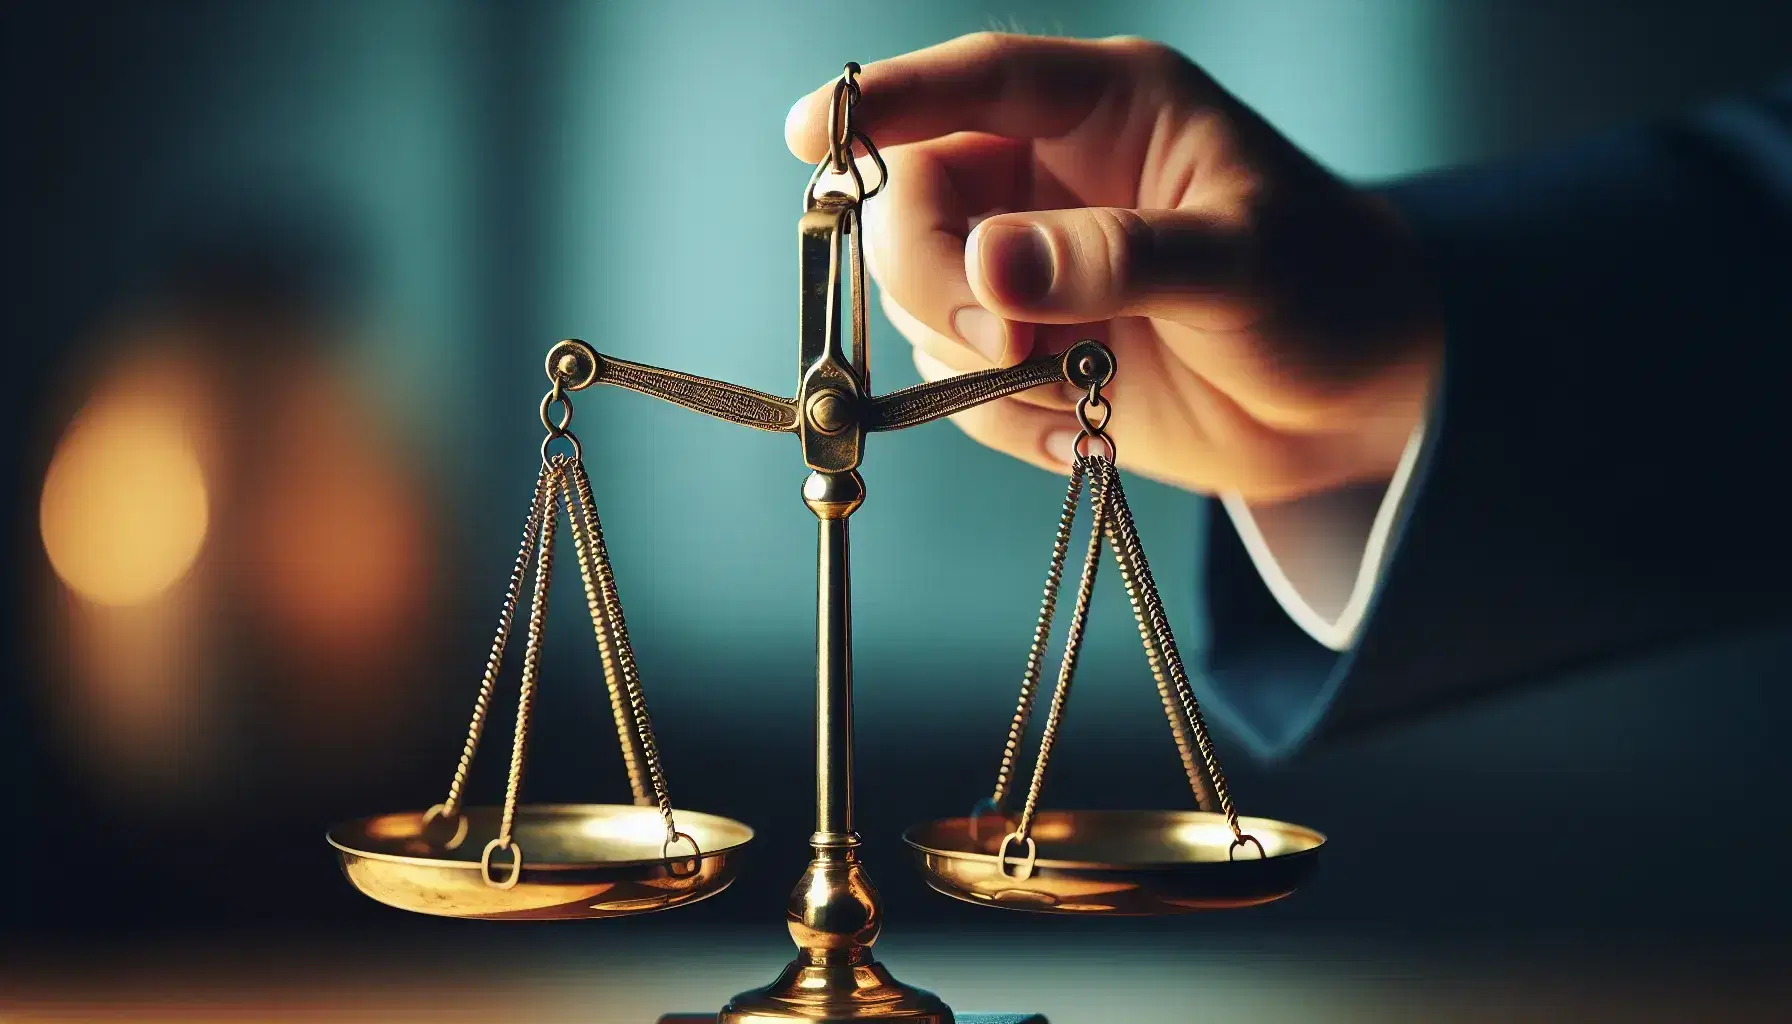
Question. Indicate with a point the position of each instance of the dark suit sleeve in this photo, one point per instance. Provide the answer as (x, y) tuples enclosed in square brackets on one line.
[(1606, 465)]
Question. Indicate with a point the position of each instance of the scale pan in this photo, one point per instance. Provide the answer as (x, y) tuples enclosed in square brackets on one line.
[(579, 861), (1116, 862)]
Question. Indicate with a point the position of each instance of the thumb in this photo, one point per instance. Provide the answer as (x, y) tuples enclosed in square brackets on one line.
[(1073, 266)]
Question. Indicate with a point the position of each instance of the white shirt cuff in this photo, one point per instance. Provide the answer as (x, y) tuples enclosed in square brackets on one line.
[(1323, 556)]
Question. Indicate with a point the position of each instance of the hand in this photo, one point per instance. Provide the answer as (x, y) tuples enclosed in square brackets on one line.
[(1273, 326)]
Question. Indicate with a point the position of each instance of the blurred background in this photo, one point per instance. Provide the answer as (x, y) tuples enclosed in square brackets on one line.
[(280, 279)]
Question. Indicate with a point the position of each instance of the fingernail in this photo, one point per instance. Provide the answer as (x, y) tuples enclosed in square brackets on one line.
[(1016, 262), (1061, 446), (982, 330)]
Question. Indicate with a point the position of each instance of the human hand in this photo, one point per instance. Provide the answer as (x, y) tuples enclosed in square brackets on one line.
[(1274, 330)]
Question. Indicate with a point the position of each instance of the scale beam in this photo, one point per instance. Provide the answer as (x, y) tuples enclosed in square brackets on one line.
[(898, 410)]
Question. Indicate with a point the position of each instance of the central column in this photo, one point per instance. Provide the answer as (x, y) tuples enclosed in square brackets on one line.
[(833, 497), (833, 914)]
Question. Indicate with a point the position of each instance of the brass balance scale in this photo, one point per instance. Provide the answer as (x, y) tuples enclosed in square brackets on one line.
[(530, 862)]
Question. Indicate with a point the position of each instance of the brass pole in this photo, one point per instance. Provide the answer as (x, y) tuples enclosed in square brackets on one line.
[(833, 682), (834, 914)]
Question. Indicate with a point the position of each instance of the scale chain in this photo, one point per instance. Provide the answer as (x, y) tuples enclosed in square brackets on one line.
[(1113, 525), (451, 807), (562, 478), (1130, 552), (1042, 635), (1073, 648), (525, 701), (1073, 644), (1169, 695), (606, 631), (611, 602)]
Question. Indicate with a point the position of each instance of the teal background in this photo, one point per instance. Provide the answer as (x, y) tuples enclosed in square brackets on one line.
[(510, 174), (616, 171)]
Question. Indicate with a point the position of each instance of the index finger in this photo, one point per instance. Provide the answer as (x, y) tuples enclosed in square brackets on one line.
[(1021, 87)]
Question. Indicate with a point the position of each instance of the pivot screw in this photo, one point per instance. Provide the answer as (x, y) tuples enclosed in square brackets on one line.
[(829, 412)]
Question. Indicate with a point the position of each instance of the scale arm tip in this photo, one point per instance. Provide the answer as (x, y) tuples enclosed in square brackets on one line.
[(1084, 363)]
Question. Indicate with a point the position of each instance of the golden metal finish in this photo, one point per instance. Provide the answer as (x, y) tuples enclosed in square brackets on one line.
[(1042, 635), (583, 860), (523, 861), (930, 401), (724, 401), (614, 651), (1117, 862)]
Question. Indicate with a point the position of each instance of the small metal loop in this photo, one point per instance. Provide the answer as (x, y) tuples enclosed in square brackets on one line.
[(578, 450), (1027, 866), (846, 93), (673, 866), (1108, 442), (1094, 403), (556, 425), (854, 198), (516, 862), (883, 169), (441, 811), (1243, 838), (842, 134), (666, 847)]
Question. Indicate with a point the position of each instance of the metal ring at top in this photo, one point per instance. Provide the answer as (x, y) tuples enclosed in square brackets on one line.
[(840, 124), (1113, 454), (556, 429), (578, 450), (883, 169), (1094, 402)]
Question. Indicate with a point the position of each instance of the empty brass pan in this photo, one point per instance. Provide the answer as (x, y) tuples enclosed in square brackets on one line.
[(1115, 862), (578, 861)]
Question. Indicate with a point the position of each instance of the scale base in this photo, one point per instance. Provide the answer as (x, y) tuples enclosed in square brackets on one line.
[(963, 1018), (856, 990)]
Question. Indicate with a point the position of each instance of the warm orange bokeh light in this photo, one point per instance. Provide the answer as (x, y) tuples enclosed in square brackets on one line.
[(124, 510)]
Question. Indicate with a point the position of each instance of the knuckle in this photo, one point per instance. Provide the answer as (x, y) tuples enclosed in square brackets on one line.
[(985, 44), (1118, 240), (1150, 56)]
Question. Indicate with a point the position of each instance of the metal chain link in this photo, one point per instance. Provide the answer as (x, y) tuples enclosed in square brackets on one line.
[(1154, 656), (450, 808), (606, 630), (1112, 523), (1073, 648), (1073, 644), (1127, 548), (1042, 636), (525, 702), (561, 476), (605, 583), (842, 134)]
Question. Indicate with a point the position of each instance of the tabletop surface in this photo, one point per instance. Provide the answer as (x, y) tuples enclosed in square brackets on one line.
[(514, 974)]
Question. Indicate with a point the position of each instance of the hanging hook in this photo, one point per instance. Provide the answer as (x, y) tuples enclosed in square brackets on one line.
[(842, 134)]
